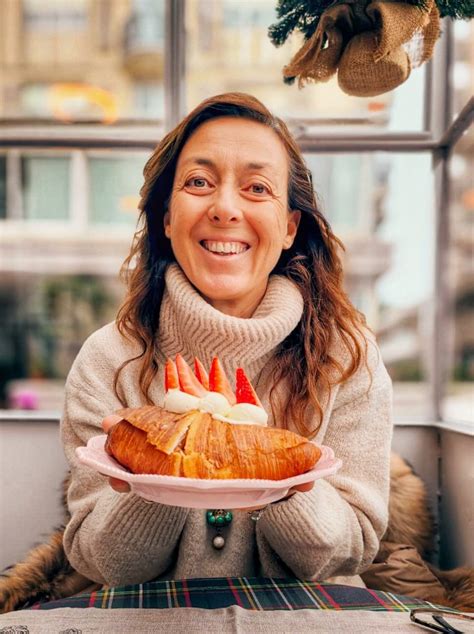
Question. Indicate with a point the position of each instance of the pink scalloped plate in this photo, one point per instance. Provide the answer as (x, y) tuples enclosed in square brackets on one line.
[(203, 494)]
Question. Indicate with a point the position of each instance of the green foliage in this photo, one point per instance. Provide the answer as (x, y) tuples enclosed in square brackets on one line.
[(457, 9), (406, 370), (299, 15), (304, 15)]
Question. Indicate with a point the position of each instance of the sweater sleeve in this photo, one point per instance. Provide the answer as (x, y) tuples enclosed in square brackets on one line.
[(111, 538), (335, 528)]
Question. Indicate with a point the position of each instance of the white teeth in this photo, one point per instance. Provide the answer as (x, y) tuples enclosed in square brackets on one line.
[(225, 247)]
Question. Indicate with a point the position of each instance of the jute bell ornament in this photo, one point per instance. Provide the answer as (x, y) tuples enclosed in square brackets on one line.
[(369, 45), (359, 75)]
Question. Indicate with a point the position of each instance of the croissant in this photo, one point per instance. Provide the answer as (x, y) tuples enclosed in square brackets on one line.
[(153, 440)]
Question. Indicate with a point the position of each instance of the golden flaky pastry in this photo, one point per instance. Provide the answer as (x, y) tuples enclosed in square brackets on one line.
[(195, 445)]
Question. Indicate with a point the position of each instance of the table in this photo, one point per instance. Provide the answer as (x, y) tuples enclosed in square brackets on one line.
[(248, 593), (237, 604)]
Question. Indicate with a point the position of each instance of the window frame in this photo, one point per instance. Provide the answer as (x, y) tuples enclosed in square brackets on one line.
[(438, 138)]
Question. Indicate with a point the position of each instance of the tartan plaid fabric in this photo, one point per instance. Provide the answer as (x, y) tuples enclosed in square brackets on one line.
[(248, 593)]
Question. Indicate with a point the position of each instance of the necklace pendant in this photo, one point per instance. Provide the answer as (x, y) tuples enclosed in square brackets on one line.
[(218, 542), (218, 519)]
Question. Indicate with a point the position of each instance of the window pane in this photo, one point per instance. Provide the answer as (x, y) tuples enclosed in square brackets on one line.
[(381, 205), (114, 189), (45, 187), (458, 403), (228, 49), (47, 319), (463, 64), (75, 60)]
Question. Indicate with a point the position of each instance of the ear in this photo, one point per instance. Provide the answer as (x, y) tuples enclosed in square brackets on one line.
[(294, 218), (166, 223)]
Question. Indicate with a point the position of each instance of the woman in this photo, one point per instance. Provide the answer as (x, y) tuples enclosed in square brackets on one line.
[(234, 259)]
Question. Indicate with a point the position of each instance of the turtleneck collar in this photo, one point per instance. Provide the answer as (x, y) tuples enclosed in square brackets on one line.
[(192, 327)]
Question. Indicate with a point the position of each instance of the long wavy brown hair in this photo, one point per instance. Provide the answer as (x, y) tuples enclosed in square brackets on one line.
[(313, 263)]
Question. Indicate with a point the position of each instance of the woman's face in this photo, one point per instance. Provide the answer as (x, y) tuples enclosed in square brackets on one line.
[(228, 218)]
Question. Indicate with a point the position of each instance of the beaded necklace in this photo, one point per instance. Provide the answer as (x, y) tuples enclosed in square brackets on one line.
[(218, 519)]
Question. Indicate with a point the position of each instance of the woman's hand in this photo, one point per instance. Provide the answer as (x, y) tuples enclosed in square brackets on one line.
[(302, 488), (117, 485)]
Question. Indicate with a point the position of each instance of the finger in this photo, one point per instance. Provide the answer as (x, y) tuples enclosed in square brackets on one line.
[(119, 485), (110, 421), (303, 488)]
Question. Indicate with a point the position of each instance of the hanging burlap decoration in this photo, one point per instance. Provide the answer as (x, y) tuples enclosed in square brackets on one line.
[(368, 45), (318, 58), (360, 75)]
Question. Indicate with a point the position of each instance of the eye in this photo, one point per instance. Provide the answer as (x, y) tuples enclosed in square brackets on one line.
[(259, 188), (197, 182)]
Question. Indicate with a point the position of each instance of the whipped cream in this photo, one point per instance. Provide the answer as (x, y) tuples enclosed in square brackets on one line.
[(216, 404), (244, 412), (180, 402)]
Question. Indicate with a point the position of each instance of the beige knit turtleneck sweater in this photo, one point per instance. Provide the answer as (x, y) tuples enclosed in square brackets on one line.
[(334, 529)]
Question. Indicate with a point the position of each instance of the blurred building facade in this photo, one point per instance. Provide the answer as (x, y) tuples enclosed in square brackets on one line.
[(71, 67)]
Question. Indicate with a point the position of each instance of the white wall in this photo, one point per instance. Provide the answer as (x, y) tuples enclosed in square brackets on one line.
[(32, 467), (457, 502)]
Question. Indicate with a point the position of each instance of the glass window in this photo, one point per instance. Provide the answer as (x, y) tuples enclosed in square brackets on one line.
[(458, 404), (48, 317), (238, 55), (114, 189), (149, 100), (46, 187), (458, 401), (345, 184), (463, 64), (75, 60), (381, 206), (51, 15)]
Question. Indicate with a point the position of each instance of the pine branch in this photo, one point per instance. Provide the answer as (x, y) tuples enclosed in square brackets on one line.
[(301, 15), (457, 9), (280, 31), (304, 15), (286, 6)]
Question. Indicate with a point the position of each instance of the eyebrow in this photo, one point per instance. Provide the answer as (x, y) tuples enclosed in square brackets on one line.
[(209, 163)]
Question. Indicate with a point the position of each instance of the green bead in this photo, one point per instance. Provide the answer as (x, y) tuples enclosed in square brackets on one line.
[(220, 520), (228, 517), (211, 519)]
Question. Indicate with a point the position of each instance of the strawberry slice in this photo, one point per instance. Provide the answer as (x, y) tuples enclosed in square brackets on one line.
[(187, 381), (171, 376), (244, 389), (201, 373), (218, 382)]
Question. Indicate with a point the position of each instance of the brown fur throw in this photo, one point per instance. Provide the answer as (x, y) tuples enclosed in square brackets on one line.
[(459, 587), (400, 565), (46, 574), (410, 520)]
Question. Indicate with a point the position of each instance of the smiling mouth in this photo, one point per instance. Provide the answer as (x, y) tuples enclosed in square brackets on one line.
[(224, 248)]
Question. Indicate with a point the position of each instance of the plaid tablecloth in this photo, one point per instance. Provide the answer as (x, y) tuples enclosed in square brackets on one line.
[(247, 593)]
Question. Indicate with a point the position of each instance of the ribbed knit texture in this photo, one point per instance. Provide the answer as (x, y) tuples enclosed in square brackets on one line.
[(332, 530), (192, 327)]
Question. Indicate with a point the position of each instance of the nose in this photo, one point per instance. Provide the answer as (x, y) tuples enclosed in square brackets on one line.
[(225, 207)]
